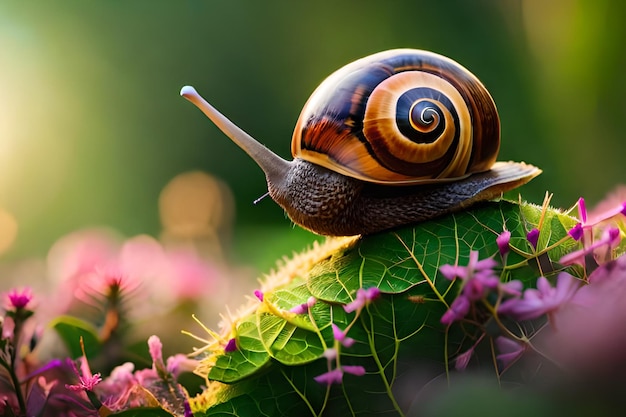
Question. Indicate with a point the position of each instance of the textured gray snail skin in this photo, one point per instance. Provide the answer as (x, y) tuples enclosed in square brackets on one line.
[(332, 204)]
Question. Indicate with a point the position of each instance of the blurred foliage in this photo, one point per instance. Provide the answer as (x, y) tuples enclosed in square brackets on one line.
[(92, 127)]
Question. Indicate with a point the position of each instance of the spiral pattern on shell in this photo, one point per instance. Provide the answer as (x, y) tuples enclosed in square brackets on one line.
[(400, 117)]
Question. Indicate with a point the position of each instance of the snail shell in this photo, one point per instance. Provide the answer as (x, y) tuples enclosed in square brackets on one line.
[(400, 117), (391, 139)]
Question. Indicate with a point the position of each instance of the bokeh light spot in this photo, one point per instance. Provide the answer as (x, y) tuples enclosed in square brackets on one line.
[(195, 205)]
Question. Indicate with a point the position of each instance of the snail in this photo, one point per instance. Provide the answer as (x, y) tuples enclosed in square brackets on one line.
[(395, 138)]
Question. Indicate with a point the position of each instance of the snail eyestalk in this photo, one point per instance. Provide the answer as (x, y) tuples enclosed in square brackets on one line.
[(272, 165)]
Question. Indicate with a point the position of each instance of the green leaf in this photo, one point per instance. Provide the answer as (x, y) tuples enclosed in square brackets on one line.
[(397, 336), (398, 260), (249, 357), (72, 329)]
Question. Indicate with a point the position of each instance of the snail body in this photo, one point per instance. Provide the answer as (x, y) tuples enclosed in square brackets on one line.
[(391, 139)]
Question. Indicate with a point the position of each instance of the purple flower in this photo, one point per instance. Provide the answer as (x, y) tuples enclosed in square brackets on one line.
[(510, 350), (363, 297), (513, 288), (340, 336), (474, 266), (502, 241), (334, 376), (543, 300), (231, 345), (605, 211), (533, 237), (461, 362), (187, 409), (478, 278), (476, 287), (458, 309), (582, 210), (304, 307), (576, 232), (354, 369), (609, 240)]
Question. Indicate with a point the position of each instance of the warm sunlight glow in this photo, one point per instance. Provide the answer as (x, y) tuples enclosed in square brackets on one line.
[(8, 230)]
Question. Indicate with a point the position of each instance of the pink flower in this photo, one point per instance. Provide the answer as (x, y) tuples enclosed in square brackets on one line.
[(458, 310), (582, 210), (533, 237), (363, 297), (335, 376), (304, 307), (180, 363), (510, 350), (474, 266), (258, 294), (19, 299), (502, 241), (341, 337), (543, 300), (122, 375), (86, 380), (611, 237), (155, 347), (478, 279), (614, 205), (461, 362), (588, 339), (330, 354), (604, 212), (188, 275), (354, 369), (146, 377), (86, 383), (513, 288)]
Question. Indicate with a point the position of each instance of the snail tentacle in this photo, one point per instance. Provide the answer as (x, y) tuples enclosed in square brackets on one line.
[(273, 166)]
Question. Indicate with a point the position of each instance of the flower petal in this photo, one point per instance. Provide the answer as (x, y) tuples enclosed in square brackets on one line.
[(354, 369), (331, 377)]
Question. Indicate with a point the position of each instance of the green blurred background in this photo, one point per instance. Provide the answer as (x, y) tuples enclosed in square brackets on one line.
[(92, 126)]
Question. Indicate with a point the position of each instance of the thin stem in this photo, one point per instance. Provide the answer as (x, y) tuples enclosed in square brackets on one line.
[(381, 368), (302, 396), (16, 384), (17, 332)]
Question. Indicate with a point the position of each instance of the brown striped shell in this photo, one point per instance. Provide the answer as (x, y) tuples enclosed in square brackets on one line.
[(402, 116)]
